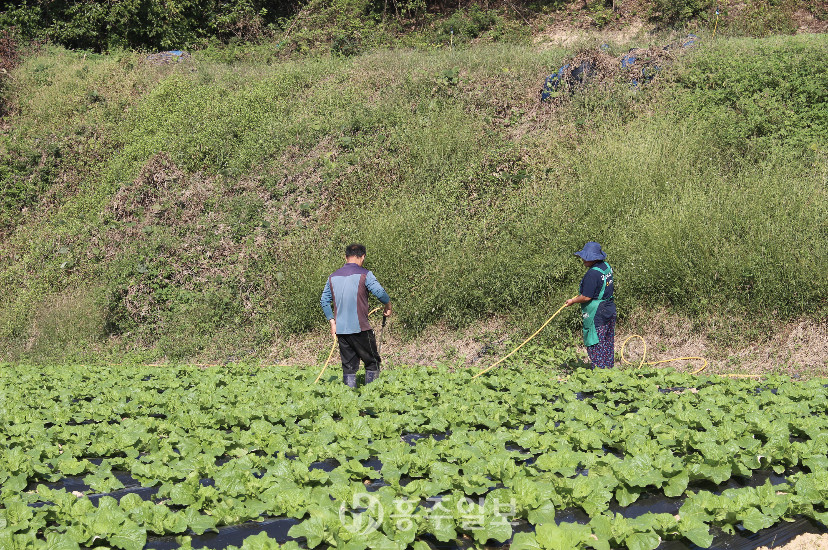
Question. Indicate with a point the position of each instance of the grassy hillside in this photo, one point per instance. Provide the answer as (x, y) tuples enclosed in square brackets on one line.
[(195, 210)]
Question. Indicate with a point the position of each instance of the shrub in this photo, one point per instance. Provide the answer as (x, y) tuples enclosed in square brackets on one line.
[(150, 24), (676, 12), (465, 24), (765, 18), (25, 175), (223, 195), (757, 97), (8, 61)]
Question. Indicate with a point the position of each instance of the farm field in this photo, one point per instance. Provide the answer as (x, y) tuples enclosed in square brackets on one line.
[(138, 457), (169, 217)]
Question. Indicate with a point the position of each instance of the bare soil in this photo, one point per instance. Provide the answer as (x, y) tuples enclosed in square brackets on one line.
[(807, 541), (807, 23), (796, 348), (562, 34), (576, 25)]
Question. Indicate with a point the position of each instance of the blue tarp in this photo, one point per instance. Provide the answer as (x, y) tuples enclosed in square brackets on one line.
[(639, 61), (553, 82)]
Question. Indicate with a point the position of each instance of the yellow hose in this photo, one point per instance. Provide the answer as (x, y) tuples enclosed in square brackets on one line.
[(520, 346), (328, 360), (623, 359), (333, 347), (644, 355), (717, 22)]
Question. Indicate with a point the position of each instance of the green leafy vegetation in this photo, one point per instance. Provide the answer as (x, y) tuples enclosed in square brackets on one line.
[(350, 27), (180, 451), (154, 24), (673, 12), (201, 206)]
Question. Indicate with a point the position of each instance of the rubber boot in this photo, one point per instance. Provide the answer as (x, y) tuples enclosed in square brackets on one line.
[(349, 380), (370, 376)]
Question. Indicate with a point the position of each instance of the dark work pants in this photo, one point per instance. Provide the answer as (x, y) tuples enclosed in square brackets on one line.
[(602, 354), (353, 347)]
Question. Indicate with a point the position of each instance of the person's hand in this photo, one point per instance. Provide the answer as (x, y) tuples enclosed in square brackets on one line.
[(333, 328), (387, 310), (569, 302)]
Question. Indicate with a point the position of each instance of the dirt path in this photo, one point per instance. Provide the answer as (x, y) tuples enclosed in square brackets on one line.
[(799, 348), (807, 541)]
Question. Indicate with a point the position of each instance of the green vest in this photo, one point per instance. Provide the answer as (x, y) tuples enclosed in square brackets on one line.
[(588, 310)]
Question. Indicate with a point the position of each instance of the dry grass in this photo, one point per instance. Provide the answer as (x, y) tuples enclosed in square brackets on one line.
[(63, 321), (796, 348), (806, 541), (437, 344), (806, 22), (564, 34)]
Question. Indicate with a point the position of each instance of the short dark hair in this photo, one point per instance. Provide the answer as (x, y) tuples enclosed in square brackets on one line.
[(355, 250)]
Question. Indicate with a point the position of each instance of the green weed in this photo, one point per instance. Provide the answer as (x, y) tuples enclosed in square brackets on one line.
[(210, 202)]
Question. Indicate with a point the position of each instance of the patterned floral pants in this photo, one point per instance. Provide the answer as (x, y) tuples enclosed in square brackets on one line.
[(602, 354)]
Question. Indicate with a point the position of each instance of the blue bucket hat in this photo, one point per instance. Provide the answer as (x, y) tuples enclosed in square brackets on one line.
[(592, 251)]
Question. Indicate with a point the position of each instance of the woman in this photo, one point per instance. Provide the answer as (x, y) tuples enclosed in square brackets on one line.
[(597, 306)]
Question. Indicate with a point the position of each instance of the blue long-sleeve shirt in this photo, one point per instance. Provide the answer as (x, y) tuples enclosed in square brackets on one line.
[(347, 289)]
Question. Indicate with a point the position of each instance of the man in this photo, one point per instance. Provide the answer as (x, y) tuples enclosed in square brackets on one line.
[(348, 288), (597, 306)]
